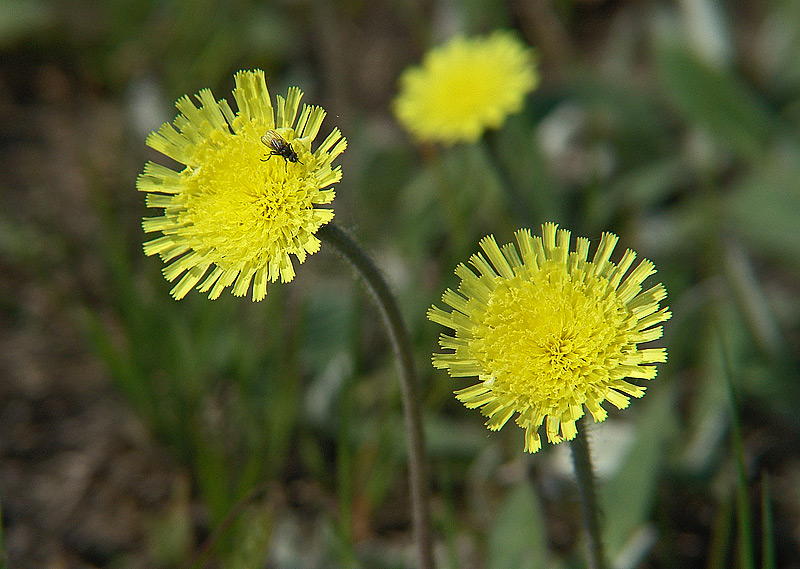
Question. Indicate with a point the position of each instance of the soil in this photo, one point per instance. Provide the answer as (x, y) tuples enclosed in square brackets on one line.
[(80, 477)]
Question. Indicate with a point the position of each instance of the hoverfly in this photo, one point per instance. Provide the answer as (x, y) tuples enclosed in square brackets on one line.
[(279, 147)]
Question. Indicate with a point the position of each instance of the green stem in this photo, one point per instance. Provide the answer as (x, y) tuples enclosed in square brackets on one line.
[(582, 460), (398, 335)]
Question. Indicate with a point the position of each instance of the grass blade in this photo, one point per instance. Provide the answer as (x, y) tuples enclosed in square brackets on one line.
[(767, 533), (720, 537), (744, 525)]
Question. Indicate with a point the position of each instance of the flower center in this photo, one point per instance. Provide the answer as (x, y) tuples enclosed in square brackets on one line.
[(551, 338), (241, 202)]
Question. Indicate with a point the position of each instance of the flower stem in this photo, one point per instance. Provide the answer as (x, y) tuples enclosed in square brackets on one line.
[(398, 335), (582, 460)]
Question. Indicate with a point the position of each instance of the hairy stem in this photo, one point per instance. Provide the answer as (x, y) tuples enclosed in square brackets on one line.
[(398, 335), (582, 460)]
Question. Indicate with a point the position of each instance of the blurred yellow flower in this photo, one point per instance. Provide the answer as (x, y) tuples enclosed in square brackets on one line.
[(464, 87), (245, 200), (548, 332)]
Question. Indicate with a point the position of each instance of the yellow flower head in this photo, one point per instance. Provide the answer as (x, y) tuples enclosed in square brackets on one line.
[(547, 331), (464, 87), (247, 198)]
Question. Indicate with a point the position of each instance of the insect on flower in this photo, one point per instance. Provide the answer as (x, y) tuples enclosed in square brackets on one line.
[(279, 146), (228, 220)]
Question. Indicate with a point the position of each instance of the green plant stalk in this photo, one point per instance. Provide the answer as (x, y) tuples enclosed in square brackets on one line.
[(219, 532), (767, 532), (744, 525), (347, 247), (590, 510), (720, 536), (344, 475)]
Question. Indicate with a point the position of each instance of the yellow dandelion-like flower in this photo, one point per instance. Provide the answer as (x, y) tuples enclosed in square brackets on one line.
[(249, 194), (465, 87), (547, 331)]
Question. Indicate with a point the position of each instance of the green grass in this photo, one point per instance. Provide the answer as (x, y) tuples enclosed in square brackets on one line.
[(635, 129)]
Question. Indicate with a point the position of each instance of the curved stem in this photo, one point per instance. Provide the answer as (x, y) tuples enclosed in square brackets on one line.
[(582, 460), (398, 335)]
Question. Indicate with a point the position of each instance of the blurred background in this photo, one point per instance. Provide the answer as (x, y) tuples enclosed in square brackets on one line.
[(138, 432)]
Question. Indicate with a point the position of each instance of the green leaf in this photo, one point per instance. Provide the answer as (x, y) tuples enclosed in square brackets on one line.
[(717, 99), (752, 300), (626, 499), (23, 18), (518, 538), (649, 184), (524, 171), (764, 208)]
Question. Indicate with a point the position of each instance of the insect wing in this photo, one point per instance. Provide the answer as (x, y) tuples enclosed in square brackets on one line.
[(279, 146), (275, 141)]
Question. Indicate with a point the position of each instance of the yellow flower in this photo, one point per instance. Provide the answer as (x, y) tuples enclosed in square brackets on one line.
[(547, 331), (464, 87), (239, 208)]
